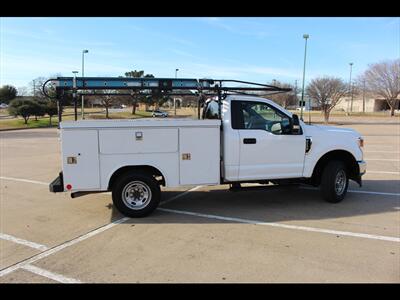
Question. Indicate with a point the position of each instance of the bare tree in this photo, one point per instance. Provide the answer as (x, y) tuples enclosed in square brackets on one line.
[(135, 95), (107, 100), (327, 92), (284, 99), (22, 91), (383, 79)]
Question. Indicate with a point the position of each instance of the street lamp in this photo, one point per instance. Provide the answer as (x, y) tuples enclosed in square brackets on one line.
[(74, 95), (83, 82), (305, 36), (176, 75), (351, 90)]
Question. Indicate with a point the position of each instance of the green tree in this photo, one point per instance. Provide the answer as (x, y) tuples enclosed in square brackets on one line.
[(51, 109), (22, 107), (39, 108), (7, 93)]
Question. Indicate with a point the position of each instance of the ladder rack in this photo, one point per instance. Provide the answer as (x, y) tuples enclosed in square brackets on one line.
[(148, 86)]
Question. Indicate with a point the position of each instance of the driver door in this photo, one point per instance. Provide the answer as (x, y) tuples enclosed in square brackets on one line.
[(268, 149)]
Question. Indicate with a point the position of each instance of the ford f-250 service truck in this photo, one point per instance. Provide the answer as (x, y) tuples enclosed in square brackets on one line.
[(253, 141)]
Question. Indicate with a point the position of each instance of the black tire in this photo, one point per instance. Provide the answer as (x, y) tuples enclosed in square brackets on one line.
[(332, 172), (136, 180)]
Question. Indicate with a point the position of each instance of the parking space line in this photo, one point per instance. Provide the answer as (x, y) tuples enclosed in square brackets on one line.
[(372, 151), (382, 159), (357, 192), (16, 240), (286, 226), (50, 275), (383, 172), (61, 247), (24, 180), (181, 194), (374, 193)]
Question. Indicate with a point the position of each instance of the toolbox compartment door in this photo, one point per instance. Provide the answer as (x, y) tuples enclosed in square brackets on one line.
[(199, 155), (138, 140), (82, 174)]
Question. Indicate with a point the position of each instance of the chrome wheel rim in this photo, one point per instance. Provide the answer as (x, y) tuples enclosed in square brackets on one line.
[(136, 195), (340, 182)]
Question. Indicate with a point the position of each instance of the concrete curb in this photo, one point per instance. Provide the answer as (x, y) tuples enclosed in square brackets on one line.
[(12, 129)]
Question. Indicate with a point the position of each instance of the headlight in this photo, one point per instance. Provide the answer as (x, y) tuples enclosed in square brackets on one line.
[(360, 142)]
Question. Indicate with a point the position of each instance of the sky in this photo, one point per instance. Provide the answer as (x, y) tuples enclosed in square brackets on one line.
[(254, 49)]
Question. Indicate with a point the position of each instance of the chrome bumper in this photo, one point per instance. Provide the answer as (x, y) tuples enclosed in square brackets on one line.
[(362, 165)]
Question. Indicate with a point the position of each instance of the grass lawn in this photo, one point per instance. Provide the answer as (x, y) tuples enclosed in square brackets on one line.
[(18, 123), (97, 113)]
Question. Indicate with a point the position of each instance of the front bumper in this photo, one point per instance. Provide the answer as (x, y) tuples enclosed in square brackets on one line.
[(362, 169), (362, 165), (57, 185)]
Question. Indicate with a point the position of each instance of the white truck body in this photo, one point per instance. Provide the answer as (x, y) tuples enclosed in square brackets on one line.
[(254, 141), (103, 147)]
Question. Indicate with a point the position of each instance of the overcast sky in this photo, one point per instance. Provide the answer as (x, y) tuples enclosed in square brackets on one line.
[(255, 49)]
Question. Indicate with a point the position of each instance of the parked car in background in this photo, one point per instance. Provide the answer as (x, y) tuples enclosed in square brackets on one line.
[(3, 105), (159, 113)]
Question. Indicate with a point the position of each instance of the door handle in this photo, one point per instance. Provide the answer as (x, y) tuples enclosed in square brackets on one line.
[(249, 141)]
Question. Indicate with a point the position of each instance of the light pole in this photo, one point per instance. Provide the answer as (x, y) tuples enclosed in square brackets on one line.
[(351, 88), (176, 76), (83, 82), (305, 36), (74, 95), (364, 96)]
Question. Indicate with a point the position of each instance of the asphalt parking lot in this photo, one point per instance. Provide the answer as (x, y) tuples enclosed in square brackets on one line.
[(206, 234)]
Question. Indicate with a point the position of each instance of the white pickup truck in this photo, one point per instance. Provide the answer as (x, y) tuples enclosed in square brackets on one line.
[(254, 141)]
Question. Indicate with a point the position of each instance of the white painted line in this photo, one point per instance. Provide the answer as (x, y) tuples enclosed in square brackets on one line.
[(286, 226), (382, 159), (355, 191), (24, 180), (14, 239), (50, 275), (181, 194), (374, 193), (383, 172), (61, 247), (381, 151)]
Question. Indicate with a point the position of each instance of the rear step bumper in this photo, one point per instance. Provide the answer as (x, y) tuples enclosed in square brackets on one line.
[(57, 185)]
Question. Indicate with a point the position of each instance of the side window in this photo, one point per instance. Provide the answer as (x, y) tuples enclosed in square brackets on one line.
[(211, 111), (258, 115)]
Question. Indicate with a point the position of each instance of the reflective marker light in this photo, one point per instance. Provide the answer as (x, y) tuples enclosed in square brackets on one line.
[(361, 142), (69, 186)]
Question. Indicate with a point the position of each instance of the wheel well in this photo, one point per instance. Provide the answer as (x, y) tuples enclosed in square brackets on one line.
[(346, 157), (138, 169)]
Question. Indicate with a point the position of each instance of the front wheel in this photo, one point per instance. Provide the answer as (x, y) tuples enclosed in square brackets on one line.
[(136, 195), (334, 182)]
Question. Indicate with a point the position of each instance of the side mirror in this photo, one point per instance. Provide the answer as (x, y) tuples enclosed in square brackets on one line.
[(296, 129)]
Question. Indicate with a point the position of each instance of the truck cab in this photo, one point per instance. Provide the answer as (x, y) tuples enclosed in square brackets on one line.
[(263, 141)]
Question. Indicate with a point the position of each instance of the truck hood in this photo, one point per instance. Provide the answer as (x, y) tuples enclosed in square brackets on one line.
[(330, 130)]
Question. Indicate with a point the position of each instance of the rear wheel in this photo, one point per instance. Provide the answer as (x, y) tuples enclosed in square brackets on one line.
[(136, 195), (334, 182)]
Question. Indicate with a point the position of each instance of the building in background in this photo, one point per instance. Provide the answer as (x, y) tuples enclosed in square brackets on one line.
[(368, 104)]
